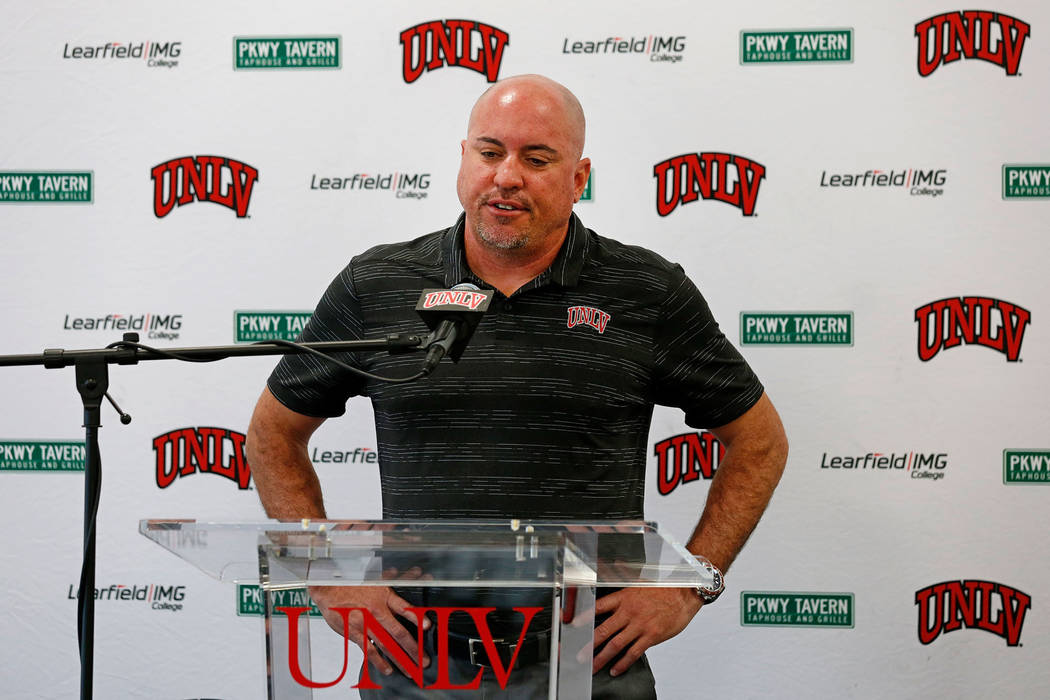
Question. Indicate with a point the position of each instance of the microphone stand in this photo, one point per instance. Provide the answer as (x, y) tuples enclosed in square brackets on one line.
[(92, 380)]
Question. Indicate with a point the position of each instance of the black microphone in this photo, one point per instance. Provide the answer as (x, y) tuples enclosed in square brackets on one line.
[(452, 315)]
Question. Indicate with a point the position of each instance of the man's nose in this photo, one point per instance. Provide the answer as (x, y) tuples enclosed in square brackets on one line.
[(508, 174)]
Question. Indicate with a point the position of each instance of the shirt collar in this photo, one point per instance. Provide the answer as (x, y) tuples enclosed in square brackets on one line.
[(564, 271)]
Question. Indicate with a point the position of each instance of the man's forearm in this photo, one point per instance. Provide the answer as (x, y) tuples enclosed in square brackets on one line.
[(741, 489), (286, 482), (276, 447)]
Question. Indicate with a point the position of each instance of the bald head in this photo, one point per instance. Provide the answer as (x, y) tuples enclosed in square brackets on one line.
[(551, 100)]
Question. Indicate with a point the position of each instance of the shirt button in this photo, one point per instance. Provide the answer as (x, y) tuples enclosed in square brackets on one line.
[(508, 307)]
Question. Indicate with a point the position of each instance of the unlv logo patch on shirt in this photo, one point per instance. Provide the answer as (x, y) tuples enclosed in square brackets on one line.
[(595, 318)]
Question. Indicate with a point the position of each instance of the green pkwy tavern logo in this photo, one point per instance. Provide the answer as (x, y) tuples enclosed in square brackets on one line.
[(796, 328), (788, 609), (1026, 181), (42, 455), (796, 46), (253, 326), (251, 603), (46, 186), (1026, 466), (588, 189), (286, 52)]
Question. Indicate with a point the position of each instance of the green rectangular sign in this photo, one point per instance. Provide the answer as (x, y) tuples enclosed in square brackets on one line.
[(1026, 466), (46, 186), (286, 52), (796, 46), (1027, 181), (796, 328), (588, 189), (253, 326), (784, 609), (250, 602), (42, 455)]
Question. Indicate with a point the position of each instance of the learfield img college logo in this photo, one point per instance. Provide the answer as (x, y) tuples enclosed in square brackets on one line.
[(46, 186), (973, 604), (655, 48), (155, 54), (973, 34), (725, 177), (927, 182), (926, 466), (217, 179), (466, 43), (403, 185), (286, 52), (796, 46), (155, 326), (973, 320), (186, 451)]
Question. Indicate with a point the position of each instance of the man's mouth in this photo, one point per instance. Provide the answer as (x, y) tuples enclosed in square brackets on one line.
[(507, 206)]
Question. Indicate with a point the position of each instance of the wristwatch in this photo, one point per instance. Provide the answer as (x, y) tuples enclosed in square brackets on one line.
[(709, 594)]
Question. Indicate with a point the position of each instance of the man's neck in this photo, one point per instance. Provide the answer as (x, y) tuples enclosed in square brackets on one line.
[(509, 270)]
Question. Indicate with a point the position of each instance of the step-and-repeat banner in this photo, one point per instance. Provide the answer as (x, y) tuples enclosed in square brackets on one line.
[(861, 191)]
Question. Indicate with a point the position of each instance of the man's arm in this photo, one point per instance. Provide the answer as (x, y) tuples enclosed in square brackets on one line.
[(756, 451), (277, 450), (276, 447)]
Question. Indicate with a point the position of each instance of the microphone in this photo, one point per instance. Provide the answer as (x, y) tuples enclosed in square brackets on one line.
[(452, 315)]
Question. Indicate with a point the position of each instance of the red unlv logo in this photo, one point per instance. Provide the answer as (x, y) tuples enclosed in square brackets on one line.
[(686, 457), (950, 36), (452, 42), (722, 176), (414, 667), (946, 607), (189, 450), (455, 297), (972, 320), (588, 315), (216, 179)]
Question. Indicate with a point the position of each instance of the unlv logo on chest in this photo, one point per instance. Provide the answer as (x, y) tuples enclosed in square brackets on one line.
[(988, 36), (452, 42)]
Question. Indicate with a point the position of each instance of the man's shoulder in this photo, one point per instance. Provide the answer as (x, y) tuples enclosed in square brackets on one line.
[(612, 254), (423, 249)]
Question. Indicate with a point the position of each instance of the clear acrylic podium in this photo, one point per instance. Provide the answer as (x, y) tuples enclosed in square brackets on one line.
[(560, 563)]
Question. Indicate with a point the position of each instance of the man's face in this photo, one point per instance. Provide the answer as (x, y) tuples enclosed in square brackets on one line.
[(521, 170)]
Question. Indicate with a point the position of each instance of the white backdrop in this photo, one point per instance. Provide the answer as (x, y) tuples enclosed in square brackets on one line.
[(878, 253)]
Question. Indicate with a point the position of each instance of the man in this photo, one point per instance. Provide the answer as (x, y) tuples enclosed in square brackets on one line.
[(544, 416)]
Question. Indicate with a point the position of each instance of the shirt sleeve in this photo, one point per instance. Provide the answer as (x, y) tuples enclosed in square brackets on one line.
[(697, 368), (308, 384)]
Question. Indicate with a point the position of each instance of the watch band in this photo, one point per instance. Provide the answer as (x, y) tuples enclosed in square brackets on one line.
[(710, 594)]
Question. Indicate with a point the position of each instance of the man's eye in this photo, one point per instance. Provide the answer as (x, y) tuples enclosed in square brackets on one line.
[(489, 154), (537, 161)]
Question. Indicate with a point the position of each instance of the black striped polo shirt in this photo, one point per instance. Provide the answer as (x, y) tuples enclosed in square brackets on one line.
[(547, 413)]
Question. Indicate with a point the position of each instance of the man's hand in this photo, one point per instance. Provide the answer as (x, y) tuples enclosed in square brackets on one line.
[(385, 607), (641, 618)]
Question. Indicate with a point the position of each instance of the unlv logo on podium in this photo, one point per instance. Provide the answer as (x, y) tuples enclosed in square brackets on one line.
[(414, 667), (216, 179), (452, 42)]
